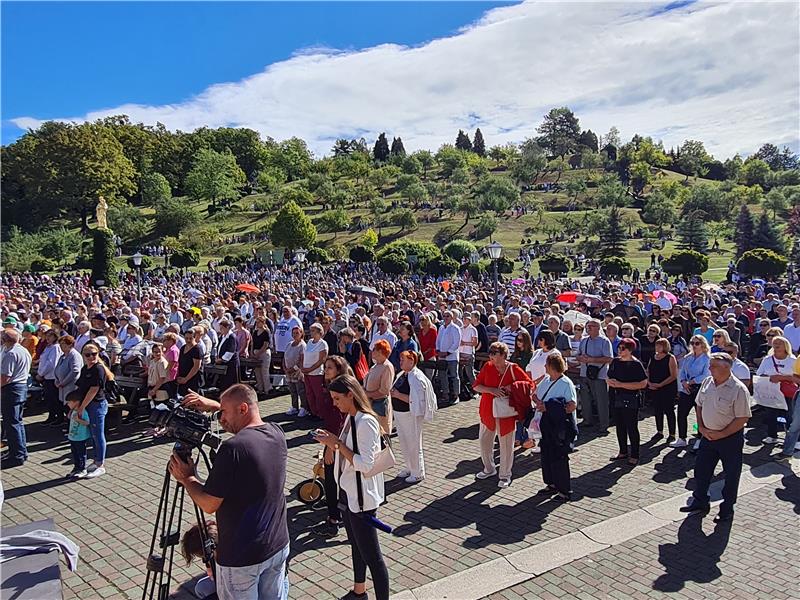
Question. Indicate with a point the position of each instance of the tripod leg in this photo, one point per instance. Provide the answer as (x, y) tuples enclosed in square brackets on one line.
[(150, 580)]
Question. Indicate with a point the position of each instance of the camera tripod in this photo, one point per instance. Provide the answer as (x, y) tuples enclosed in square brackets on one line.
[(160, 561)]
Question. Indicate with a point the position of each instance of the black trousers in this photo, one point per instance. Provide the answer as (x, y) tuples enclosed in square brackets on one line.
[(729, 451), (771, 419), (331, 491), (555, 468), (685, 405), (54, 406), (626, 421), (664, 406), (366, 551)]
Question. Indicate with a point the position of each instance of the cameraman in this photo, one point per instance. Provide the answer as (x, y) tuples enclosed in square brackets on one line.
[(245, 489)]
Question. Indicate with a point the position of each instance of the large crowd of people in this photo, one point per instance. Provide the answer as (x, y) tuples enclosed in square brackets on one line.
[(365, 355)]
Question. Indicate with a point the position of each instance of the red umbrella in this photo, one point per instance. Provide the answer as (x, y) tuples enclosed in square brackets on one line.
[(247, 287), (567, 297)]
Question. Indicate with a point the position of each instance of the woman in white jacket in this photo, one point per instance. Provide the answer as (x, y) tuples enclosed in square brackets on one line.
[(359, 494), (413, 401)]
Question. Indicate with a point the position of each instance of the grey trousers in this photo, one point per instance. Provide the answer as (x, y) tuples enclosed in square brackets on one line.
[(594, 393)]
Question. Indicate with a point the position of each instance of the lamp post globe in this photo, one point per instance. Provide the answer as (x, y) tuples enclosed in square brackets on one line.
[(495, 250), (137, 262), (300, 257)]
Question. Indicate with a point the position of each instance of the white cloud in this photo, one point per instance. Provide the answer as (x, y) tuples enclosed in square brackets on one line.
[(724, 73)]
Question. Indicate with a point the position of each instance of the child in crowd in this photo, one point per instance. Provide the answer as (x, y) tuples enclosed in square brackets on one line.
[(78, 434)]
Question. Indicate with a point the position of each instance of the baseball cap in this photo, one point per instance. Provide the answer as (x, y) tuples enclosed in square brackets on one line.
[(10, 321), (29, 328)]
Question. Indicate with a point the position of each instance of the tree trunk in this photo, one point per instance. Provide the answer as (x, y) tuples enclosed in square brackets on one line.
[(84, 220)]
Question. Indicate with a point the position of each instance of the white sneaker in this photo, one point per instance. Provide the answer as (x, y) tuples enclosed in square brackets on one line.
[(412, 479), (536, 450), (504, 483), (485, 475), (770, 440), (403, 474), (292, 411), (302, 413), (97, 472), (679, 443)]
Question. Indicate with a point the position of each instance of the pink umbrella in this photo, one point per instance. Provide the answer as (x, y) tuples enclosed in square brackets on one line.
[(668, 295), (518, 282), (591, 300)]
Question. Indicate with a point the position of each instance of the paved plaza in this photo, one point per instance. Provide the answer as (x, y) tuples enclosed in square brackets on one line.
[(621, 537)]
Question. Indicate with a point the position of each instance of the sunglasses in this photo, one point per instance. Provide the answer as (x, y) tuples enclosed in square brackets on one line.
[(765, 325), (88, 354), (716, 336), (495, 352), (770, 335), (696, 344)]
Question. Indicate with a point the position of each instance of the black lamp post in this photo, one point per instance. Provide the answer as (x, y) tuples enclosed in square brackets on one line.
[(137, 262), (300, 257), (495, 250)]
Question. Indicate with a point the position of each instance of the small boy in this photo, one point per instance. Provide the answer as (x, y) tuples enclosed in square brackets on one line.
[(78, 434)]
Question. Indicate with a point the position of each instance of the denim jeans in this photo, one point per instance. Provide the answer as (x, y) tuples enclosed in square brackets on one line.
[(262, 581), (78, 449), (13, 403), (97, 423), (793, 432)]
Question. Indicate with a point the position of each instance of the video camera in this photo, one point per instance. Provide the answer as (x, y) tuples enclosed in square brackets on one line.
[(190, 429)]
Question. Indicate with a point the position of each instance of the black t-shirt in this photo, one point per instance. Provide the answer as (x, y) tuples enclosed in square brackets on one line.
[(626, 371), (333, 343), (249, 474), (186, 360), (96, 376), (402, 386), (260, 339)]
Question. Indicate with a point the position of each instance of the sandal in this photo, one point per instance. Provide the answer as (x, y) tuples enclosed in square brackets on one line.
[(528, 444), (633, 461), (618, 457)]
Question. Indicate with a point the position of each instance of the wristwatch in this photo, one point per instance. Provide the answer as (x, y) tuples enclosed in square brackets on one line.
[(336, 447)]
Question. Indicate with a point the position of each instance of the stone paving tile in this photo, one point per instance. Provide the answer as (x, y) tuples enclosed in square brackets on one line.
[(690, 559), (444, 525)]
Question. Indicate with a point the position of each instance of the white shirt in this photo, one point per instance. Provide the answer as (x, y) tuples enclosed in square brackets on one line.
[(468, 335), (283, 332), (538, 360), (368, 434), (389, 336), (312, 353), (448, 340), (792, 333)]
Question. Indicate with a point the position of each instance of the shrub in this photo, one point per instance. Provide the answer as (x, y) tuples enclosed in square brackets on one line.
[(362, 254), (369, 239), (687, 262), (234, 260), (763, 262), (478, 270), (615, 266), (184, 258), (40, 265), (505, 265), (445, 235), (318, 255), (441, 265), (147, 263), (173, 216), (459, 249), (201, 238), (554, 263), (485, 227), (394, 263), (103, 252), (424, 251)]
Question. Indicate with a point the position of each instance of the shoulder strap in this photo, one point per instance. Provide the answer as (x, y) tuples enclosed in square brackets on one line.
[(775, 364), (359, 487), (552, 383)]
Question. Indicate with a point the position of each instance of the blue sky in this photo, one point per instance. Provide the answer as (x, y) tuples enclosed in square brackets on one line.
[(721, 72), (69, 58)]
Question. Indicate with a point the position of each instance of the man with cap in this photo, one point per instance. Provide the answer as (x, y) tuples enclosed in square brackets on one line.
[(536, 325), (723, 408), (15, 366)]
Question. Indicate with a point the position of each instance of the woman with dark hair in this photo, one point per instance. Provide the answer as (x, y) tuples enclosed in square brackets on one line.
[(626, 379), (523, 349), (228, 355), (662, 388), (356, 449), (406, 341), (349, 348), (333, 420), (190, 361)]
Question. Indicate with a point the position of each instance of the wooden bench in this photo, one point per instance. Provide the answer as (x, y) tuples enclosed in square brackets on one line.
[(130, 391), (276, 373)]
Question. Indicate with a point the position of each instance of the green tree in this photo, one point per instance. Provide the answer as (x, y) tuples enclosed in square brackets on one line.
[(776, 202), (719, 229), (215, 176), (611, 193), (292, 228), (60, 244), (754, 172), (380, 152), (426, 159), (478, 144), (574, 188), (412, 165), (293, 157), (441, 266), (450, 159), (462, 141), (154, 187), (708, 198), (397, 147), (692, 158), (334, 221), (559, 132), (612, 235), (659, 210), (405, 219), (497, 193), (640, 176), (415, 193), (468, 205), (369, 239), (766, 235), (743, 231), (615, 266), (692, 232), (459, 249), (127, 221), (554, 263), (184, 258), (362, 254), (173, 216), (485, 227), (531, 163), (588, 141), (379, 178)]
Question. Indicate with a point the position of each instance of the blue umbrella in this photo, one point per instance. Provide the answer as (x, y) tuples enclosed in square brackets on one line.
[(757, 281)]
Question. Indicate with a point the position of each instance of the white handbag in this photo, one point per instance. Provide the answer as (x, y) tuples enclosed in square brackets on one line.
[(384, 459), (501, 407)]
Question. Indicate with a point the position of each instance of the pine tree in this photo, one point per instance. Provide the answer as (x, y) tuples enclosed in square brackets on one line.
[(612, 235), (692, 233), (478, 144), (397, 147), (381, 150), (767, 236), (462, 141), (743, 234)]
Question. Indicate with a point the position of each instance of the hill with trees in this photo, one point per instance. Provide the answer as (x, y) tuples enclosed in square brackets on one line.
[(566, 188)]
